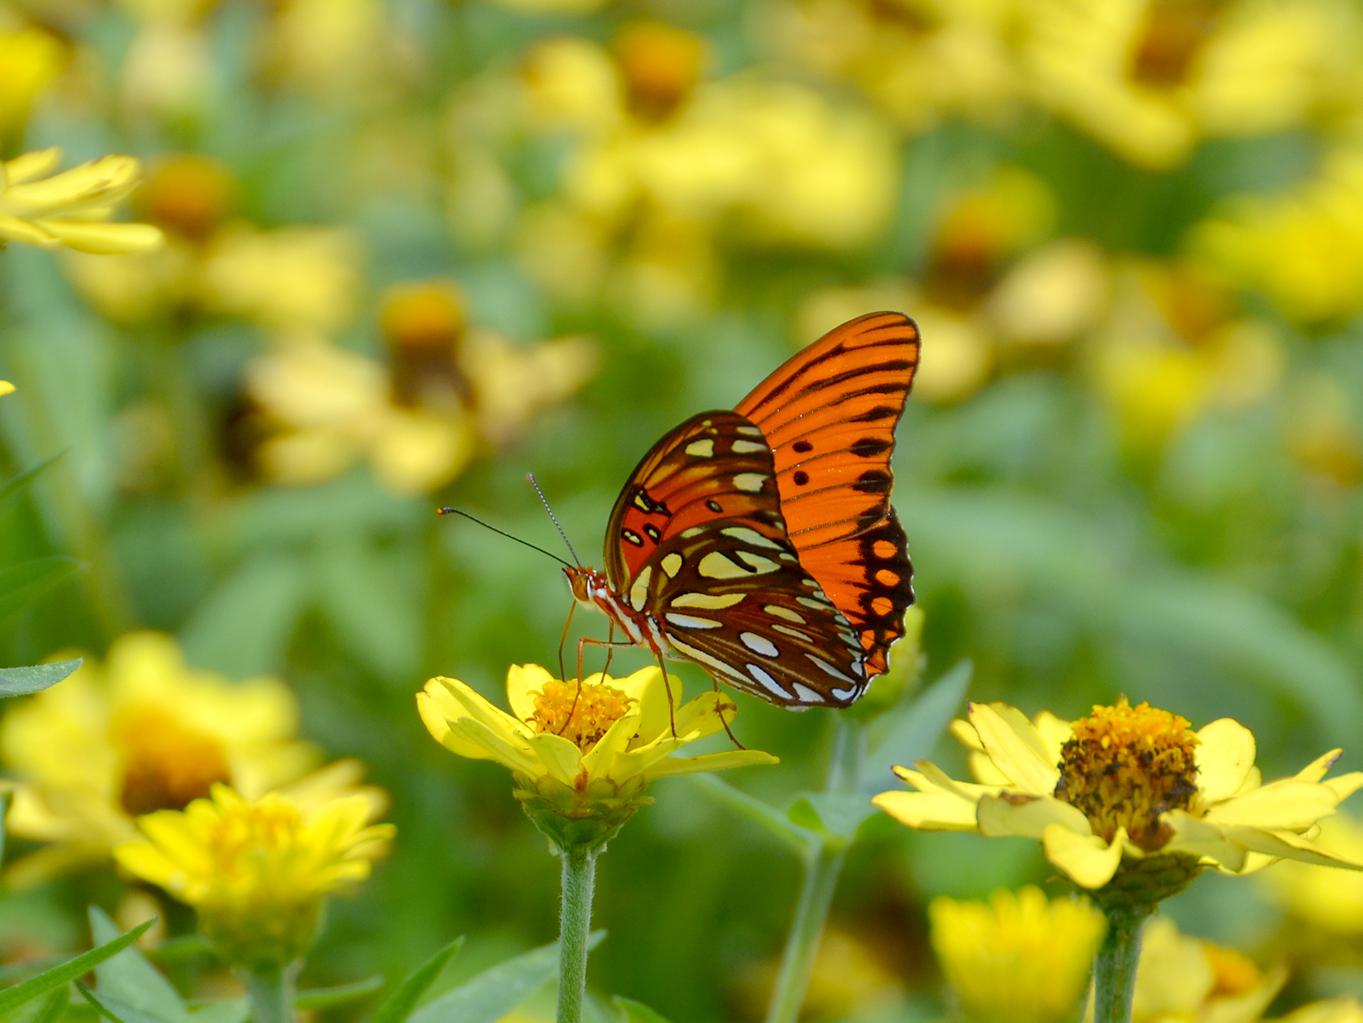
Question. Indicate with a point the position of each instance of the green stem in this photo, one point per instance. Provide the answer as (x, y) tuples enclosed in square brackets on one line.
[(823, 864), (268, 989), (1114, 969), (575, 920)]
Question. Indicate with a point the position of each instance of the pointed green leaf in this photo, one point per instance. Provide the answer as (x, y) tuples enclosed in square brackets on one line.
[(63, 973), (837, 815), (497, 990), (340, 994), (17, 483), (22, 584), (399, 1005), (33, 678), (111, 1008), (908, 733), (130, 981), (636, 1012), (754, 809), (237, 1010)]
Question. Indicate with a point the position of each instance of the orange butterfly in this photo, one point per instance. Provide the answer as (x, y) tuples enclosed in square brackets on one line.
[(760, 543)]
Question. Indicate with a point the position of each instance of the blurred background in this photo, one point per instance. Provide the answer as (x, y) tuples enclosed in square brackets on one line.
[(416, 249)]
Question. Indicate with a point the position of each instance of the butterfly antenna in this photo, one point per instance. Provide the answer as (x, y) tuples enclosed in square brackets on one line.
[(552, 517), (503, 532)]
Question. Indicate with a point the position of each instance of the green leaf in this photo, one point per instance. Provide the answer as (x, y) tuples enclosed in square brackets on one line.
[(63, 973), (237, 1010), (6, 797), (51, 1010), (129, 980), (339, 994), (770, 818), (399, 1005), (636, 1012), (22, 584), (34, 678), (111, 1008), (497, 990), (909, 732), (244, 625), (17, 483), (833, 814)]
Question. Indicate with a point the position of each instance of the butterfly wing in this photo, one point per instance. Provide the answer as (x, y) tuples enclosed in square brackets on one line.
[(697, 540), (829, 415)]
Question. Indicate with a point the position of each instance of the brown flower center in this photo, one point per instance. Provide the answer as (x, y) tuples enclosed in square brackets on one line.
[(166, 763), (1124, 766), (580, 713), (661, 65)]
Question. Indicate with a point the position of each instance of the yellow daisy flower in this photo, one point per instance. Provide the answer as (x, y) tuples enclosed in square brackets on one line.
[(6, 388), (1129, 801), (257, 870), (141, 732), (1019, 956), (72, 208), (1185, 978), (582, 756)]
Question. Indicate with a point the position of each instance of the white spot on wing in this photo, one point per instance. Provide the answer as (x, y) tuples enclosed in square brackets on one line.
[(638, 591), (846, 694), (789, 614), (690, 621), (793, 633), (768, 683), (701, 448), (807, 695), (708, 601), (759, 644), (717, 565), (749, 482), (672, 564), (828, 669), (751, 537), (747, 447)]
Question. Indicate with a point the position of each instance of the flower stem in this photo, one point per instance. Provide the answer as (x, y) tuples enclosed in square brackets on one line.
[(268, 989), (823, 864), (579, 879), (1114, 969)]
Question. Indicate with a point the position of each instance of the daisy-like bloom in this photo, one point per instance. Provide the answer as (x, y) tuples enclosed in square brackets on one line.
[(1331, 900), (582, 756), (1019, 956), (72, 208), (257, 871), (1129, 802), (6, 388), (141, 732), (30, 58), (1185, 978)]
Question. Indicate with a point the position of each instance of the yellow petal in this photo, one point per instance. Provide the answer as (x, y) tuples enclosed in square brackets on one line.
[(1197, 837), (1345, 785), (1224, 755), (928, 811), (1285, 804), (604, 760), (936, 778), (1012, 743), (523, 683), (1054, 732), (561, 757), (6, 388), (16, 230), (486, 744), (711, 762), (1285, 845), (458, 700), (30, 165), (1086, 859), (104, 239), (1028, 816)]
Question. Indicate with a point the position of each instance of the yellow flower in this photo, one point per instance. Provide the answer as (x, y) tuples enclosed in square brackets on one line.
[(257, 870), (6, 388), (581, 756), (1019, 956), (1130, 801), (1336, 1010), (30, 58), (1186, 978), (141, 732), (71, 208)]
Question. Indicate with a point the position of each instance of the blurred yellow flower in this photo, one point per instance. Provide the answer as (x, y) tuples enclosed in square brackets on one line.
[(1185, 978), (1328, 899), (6, 388), (1335, 1010), (1128, 799), (257, 870), (30, 58), (141, 732), (1303, 249), (1150, 78), (71, 208), (1019, 956), (1324, 434), (853, 973), (582, 755)]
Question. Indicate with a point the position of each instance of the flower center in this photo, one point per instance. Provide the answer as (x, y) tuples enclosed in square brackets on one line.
[(581, 713), (1124, 766), (250, 833), (167, 764)]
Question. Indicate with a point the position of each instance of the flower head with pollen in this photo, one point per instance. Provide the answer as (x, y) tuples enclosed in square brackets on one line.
[(139, 732), (257, 870), (1129, 802), (581, 756), (72, 208)]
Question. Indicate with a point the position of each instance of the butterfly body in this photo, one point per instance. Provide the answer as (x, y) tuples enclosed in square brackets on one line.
[(759, 542)]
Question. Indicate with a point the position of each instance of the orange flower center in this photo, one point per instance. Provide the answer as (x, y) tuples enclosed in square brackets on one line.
[(660, 64), (580, 713), (1233, 973), (188, 195), (1124, 766), (167, 764)]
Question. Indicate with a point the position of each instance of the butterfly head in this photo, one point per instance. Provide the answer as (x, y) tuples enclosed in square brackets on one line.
[(588, 584)]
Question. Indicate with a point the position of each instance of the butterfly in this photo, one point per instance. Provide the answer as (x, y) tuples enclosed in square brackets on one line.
[(760, 543)]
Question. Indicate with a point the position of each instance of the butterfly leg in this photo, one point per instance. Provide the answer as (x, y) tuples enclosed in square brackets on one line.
[(719, 709), (671, 703)]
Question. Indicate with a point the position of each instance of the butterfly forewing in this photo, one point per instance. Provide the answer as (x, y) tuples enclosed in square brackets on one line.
[(829, 416), (697, 540)]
